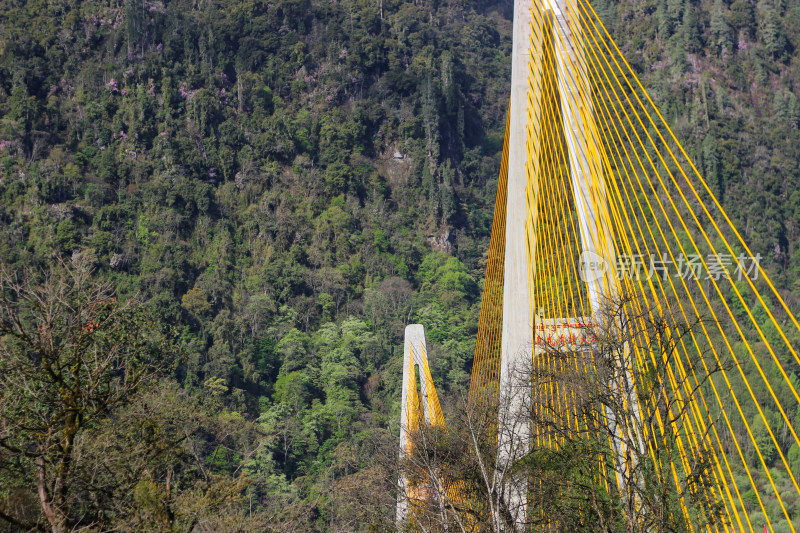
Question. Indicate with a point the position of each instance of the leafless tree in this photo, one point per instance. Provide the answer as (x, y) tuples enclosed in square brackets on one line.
[(584, 439), (70, 354), (458, 478)]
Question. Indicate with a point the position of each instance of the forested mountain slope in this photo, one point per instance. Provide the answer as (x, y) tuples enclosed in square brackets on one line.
[(289, 183)]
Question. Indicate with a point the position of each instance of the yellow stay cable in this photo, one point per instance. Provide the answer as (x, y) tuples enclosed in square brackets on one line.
[(548, 109), (603, 243), (732, 315), (724, 413), (551, 100), (746, 425), (680, 305), (749, 349), (616, 216), (716, 202)]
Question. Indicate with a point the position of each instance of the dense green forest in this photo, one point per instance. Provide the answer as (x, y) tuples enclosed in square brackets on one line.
[(284, 185)]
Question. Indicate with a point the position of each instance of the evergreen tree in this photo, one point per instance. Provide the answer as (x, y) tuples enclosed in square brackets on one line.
[(690, 29), (792, 110), (134, 21), (664, 24), (779, 108), (670, 19), (742, 18), (711, 165), (675, 11), (719, 29), (771, 29)]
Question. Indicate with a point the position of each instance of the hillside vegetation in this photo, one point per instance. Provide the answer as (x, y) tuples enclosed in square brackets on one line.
[(283, 186)]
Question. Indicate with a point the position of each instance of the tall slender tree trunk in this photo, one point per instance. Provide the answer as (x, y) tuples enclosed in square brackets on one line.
[(55, 517), (239, 91)]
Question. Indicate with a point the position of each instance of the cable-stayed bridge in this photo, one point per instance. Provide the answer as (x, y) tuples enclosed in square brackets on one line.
[(604, 227)]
